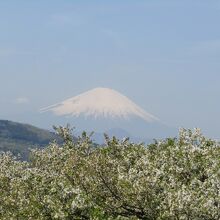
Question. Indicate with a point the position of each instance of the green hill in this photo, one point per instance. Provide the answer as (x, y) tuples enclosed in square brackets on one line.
[(19, 138)]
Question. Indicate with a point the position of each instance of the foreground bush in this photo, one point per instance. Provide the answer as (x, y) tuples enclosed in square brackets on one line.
[(169, 179)]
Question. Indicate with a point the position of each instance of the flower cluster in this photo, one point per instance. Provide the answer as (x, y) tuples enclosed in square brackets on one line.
[(175, 178)]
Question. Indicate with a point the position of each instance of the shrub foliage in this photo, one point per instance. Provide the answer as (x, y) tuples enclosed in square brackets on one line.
[(169, 179)]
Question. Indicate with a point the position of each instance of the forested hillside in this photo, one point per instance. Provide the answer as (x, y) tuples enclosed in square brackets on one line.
[(19, 138)]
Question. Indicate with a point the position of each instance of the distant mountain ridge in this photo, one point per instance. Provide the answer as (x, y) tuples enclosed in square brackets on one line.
[(19, 138), (104, 109), (98, 137)]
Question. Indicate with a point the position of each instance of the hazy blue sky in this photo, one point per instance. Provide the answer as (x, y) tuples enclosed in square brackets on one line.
[(164, 55)]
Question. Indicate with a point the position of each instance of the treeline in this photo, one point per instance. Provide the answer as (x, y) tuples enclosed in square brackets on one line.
[(175, 179)]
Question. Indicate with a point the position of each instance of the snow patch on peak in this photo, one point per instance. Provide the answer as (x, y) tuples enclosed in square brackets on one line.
[(100, 102)]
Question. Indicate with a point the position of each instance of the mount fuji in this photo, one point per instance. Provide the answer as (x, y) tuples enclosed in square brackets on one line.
[(106, 110), (100, 102)]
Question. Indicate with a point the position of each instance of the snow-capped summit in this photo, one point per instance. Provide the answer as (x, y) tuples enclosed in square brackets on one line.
[(100, 102)]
